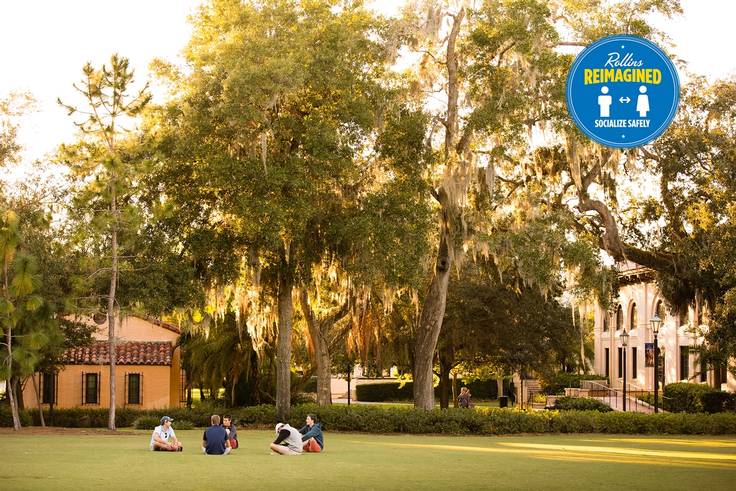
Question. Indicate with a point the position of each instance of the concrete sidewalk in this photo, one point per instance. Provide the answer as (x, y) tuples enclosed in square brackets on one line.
[(633, 405)]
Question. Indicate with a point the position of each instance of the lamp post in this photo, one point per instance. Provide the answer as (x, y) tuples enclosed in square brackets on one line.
[(656, 324), (624, 343)]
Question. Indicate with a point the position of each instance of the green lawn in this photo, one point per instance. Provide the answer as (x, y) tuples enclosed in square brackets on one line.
[(94, 459)]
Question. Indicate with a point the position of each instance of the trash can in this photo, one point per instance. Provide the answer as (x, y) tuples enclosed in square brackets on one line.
[(503, 401)]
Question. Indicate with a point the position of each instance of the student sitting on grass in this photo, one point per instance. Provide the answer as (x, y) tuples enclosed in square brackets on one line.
[(312, 435), (232, 433), (463, 399), (214, 440), (164, 439), (288, 441)]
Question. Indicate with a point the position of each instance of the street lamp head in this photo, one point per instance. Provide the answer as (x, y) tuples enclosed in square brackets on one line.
[(656, 324), (624, 338)]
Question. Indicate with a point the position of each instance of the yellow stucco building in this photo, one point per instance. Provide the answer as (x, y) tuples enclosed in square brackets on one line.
[(148, 370)]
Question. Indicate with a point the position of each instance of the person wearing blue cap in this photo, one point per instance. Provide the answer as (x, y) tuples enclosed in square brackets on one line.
[(164, 439)]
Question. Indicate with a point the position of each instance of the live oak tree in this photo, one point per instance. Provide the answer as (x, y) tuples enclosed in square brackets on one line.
[(104, 177), (498, 67), (684, 231), (272, 133), (496, 321), (680, 228), (485, 64)]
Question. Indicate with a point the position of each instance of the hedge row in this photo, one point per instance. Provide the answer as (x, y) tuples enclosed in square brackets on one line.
[(582, 404), (682, 397), (697, 398), (483, 421), (394, 391)]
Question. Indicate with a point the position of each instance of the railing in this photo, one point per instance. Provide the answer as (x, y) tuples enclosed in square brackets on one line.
[(613, 397)]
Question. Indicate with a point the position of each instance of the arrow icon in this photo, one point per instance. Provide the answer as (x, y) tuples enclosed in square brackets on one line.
[(624, 99)]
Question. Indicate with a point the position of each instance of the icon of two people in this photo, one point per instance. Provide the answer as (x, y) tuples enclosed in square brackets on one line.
[(605, 101)]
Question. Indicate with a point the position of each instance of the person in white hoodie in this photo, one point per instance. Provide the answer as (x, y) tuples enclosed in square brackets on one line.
[(288, 440)]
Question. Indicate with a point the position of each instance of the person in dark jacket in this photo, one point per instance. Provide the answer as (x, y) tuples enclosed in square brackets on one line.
[(312, 435), (232, 432), (214, 440)]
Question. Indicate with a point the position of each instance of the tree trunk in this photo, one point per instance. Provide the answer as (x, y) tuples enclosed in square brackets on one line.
[(283, 354), (324, 374), (254, 377), (583, 368), (319, 331), (499, 387), (232, 391), (454, 390), (446, 361), (111, 310), (430, 323), (433, 308), (19, 385), (717, 379), (9, 388), (38, 400)]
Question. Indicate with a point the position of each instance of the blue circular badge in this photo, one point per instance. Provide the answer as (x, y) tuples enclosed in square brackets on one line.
[(622, 91)]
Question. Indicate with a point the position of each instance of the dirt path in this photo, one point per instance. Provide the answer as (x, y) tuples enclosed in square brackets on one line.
[(54, 430)]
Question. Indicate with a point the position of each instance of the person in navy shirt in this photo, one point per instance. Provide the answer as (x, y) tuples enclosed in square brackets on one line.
[(214, 440)]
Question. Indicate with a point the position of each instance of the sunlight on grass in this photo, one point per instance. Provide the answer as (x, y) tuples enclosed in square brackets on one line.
[(614, 459), (674, 454), (579, 453), (690, 443)]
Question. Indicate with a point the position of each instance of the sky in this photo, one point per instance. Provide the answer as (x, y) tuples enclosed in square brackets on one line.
[(45, 43)]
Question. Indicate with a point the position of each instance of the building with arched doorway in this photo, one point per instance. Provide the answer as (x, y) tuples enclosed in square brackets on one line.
[(639, 299)]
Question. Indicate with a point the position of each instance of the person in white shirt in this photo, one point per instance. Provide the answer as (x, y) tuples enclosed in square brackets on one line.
[(164, 439), (288, 441)]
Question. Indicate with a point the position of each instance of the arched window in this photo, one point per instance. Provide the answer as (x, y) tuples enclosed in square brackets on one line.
[(633, 321), (619, 318), (605, 321)]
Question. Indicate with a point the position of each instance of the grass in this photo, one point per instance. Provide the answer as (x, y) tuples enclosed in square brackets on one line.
[(90, 459)]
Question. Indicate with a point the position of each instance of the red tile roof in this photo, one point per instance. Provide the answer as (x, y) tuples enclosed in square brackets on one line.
[(127, 353), (159, 322)]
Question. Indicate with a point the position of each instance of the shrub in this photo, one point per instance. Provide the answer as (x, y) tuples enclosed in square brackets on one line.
[(311, 386), (6, 417), (262, 414), (147, 422), (539, 398), (393, 391), (184, 424), (484, 421), (576, 422), (385, 391), (303, 398), (685, 397), (78, 417), (581, 404), (717, 401)]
